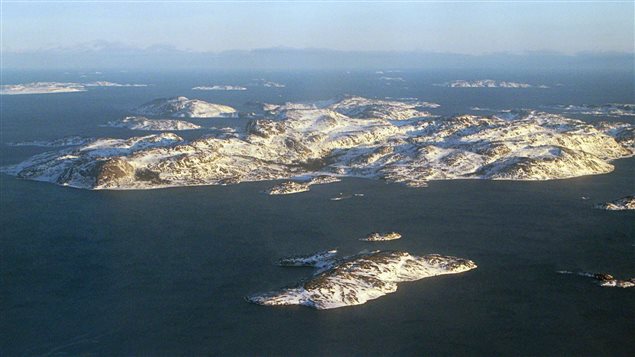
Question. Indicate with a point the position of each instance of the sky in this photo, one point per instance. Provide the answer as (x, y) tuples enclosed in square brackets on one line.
[(457, 27)]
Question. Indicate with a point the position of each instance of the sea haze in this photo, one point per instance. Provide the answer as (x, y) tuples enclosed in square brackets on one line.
[(167, 271)]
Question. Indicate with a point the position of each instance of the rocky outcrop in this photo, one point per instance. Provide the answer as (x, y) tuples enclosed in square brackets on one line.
[(143, 123), (380, 237), (113, 172), (488, 83), (316, 260), (604, 279), (621, 204), (287, 188), (611, 109)]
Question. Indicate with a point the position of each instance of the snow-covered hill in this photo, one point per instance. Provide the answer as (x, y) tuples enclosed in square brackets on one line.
[(41, 88), (182, 107), (389, 140), (143, 123), (356, 279)]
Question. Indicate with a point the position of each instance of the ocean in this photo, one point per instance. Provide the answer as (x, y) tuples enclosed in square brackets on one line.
[(165, 272)]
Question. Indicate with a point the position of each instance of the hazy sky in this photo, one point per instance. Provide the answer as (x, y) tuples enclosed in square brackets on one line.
[(468, 27)]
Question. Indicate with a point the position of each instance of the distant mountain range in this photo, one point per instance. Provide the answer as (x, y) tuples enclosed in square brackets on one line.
[(111, 55)]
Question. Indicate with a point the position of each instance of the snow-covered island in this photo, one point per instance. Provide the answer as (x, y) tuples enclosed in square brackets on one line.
[(344, 196), (357, 279), (182, 107), (381, 237), (260, 82), (395, 141), (289, 187), (621, 204), (41, 88), (316, 260), (487, 83), (112, 84), (611, 109), (67, 141), (220, 87), (604, 279), (57, 87), (391, 79), (358, 108), (143, 123)]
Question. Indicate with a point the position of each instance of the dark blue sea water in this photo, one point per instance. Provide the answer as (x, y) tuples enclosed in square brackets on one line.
[(164, 272)]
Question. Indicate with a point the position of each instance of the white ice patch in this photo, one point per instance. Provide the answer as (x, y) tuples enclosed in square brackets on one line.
[(57, 87)]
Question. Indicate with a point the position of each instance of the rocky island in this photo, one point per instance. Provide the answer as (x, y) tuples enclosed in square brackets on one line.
[(357, 279), (604, 279), (380, 237), (220, 87), (57, 87), (487, 83), (143, 123), (182, 107), (289, 187), (620, 204), (392, 140)]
